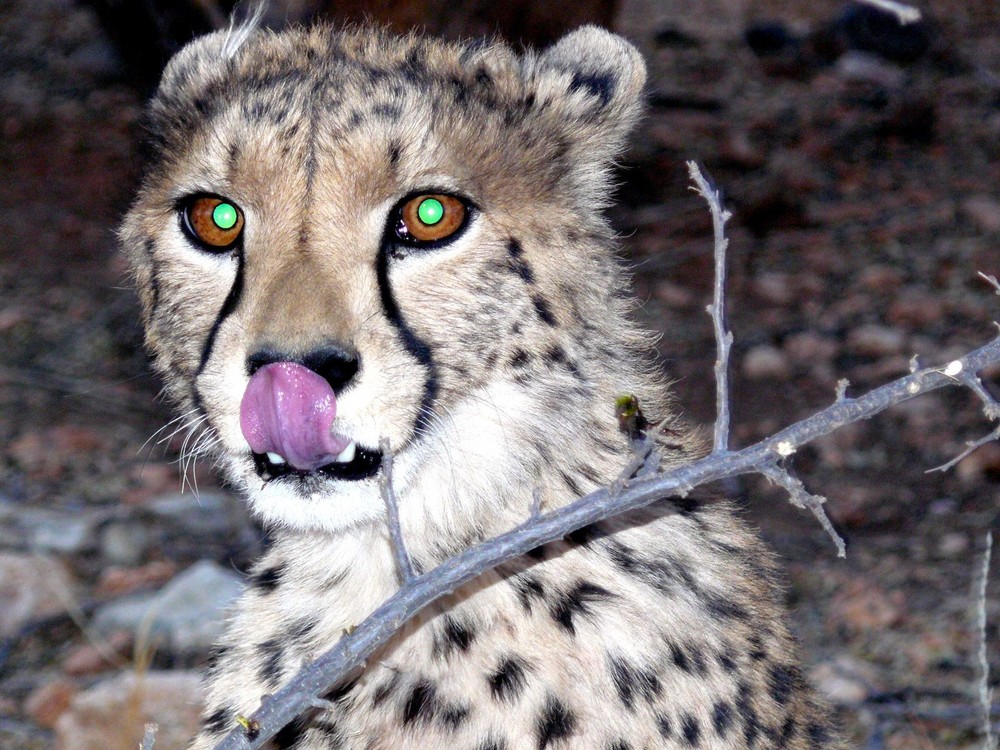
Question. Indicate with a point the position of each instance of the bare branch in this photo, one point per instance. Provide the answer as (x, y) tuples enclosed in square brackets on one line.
[(984, 664), (905, 14), (992, 281), (351, 652), (801, 498), (971, 447), (392, 509), (723, 338)]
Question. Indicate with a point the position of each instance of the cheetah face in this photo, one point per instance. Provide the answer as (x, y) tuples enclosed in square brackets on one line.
[(344, 240)]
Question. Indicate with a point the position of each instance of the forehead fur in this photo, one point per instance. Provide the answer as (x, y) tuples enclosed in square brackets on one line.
[(580, 96)]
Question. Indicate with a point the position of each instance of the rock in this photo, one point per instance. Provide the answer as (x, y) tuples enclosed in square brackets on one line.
[(124, 543), (31, 586), (47, 703), (206, 513), (953, 545), (845, 681), (186, 616), (865, 67), (766, 361), (91, 658), (65, 533), (775, 288), (863, 607), (875, 340), (983, 211), (113, 713), (117, 581)]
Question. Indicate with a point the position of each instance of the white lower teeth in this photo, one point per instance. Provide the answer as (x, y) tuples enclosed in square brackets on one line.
[(275, 459), (347, 455)]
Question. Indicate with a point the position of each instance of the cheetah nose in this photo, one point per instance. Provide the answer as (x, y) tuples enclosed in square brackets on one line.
[(288, 410)]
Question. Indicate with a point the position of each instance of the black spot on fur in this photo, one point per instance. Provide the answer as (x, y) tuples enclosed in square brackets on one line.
[(516, 262), (267, 580), (391, 112), (745, 709), (757, 651), (519, 359), (508, 679), (788, 729), (577, 601), (691, 730), (631, 680), (722, 718), (483, 77), (544, 311), (492, 743), (664, 726), (219, 720), (395, 151), (453, 716), (528, 589), (554, 723), (727, 660), (384, 690), (619, 745), (602, 86), (571, 483), (585, 535), (289, 735), (457, 635), (271, 654), (817, 734), (301, 629), (340, 692), (422, 703), (724, 608), (782, 682)]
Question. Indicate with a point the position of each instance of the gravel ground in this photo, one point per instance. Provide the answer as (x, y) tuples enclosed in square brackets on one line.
[(866, 196)]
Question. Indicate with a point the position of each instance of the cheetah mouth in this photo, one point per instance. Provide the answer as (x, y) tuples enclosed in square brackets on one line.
[(354, 463)]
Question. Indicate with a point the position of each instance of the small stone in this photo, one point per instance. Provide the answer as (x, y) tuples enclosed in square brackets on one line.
[(845, 681), (766, 361), (864, 607), (774, 288), (118, 581), (91, 658), (124, 543), (983, 211), (113, 713), (48, 702), (876, 340), (31, 586), (953, 544), (186, 616)]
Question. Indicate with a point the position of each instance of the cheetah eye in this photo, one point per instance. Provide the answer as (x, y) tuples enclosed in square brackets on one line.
[(430, 218), (213, 222)]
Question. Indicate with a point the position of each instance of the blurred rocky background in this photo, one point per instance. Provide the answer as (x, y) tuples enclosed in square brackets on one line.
[(862, 162)]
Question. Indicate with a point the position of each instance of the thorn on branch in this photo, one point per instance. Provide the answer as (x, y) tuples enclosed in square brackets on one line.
[(801, 498), (842, 385), (392, 509), (723, 338)]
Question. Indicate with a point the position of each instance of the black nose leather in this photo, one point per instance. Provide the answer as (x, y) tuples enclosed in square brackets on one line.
[(334, 363)]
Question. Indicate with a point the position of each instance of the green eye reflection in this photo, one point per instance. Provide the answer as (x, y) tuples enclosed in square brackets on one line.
[(430, 211), (225, 216)]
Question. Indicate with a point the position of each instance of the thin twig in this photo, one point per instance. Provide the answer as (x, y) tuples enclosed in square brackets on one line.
[(351, 652), (723, 338), (392, 508), (905, 14), (984, 665), (802, 498), (971, 447)]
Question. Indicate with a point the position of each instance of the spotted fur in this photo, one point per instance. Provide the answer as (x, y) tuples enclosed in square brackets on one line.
[(490, 363)]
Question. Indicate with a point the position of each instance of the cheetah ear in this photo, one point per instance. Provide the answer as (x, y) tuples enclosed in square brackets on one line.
[(594, 79)]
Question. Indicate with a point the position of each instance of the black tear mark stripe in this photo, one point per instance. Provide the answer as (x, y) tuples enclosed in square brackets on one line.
[(415, 346), (228, 307)]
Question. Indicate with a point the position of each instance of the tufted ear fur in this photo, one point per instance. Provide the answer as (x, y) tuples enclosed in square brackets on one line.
[(594, 79)]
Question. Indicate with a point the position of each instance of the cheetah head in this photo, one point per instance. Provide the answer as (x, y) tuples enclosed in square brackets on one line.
[(345, 238)]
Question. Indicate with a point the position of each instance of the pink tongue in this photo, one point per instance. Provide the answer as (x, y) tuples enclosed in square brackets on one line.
[(288, 409)]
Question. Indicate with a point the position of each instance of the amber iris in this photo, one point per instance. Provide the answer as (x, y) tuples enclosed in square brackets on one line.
[(430, 218), (214, 221)]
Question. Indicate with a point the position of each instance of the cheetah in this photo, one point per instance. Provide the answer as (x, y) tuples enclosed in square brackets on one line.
[(344, 237)]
